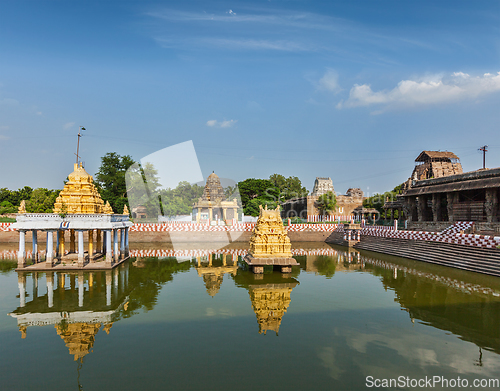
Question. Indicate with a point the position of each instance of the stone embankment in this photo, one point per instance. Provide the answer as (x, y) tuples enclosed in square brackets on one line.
[(470, 258), (193, 233)]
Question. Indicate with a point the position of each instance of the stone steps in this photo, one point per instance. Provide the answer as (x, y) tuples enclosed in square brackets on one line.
[(476, 259)]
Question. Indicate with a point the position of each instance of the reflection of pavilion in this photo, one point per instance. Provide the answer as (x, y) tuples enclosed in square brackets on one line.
[(77, 304), (213, 275), (270, 297)]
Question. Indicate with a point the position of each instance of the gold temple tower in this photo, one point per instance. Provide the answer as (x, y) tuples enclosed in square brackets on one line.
[(80, 195), (270, 244)]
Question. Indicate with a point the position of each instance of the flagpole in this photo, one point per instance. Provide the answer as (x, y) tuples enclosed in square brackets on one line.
[(78, 143)]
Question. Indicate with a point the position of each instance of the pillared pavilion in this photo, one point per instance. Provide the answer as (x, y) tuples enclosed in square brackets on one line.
[(78, 210)]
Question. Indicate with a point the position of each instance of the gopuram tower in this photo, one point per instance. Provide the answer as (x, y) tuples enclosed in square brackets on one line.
[(80, 195), (269, 244)]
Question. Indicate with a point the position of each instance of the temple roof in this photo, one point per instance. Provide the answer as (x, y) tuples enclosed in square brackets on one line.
[(213, 190), (425, 155), (80, 195)]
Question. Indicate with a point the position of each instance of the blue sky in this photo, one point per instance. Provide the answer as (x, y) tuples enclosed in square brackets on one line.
[(353, 90)]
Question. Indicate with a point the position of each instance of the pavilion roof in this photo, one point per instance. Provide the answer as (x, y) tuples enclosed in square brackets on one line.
[(425, 155)]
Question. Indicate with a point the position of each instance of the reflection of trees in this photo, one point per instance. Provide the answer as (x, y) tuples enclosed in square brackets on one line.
[(146, 281), (474, 317), (6, 266), (325, 265)]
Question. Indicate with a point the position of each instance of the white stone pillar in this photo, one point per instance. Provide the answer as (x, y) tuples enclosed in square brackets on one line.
[(49, 253), (34, 234), (57, 244), (21, 255), (126, 242), (122, 243), (81, 253), (109, 249), (80, 290), (115, 244)]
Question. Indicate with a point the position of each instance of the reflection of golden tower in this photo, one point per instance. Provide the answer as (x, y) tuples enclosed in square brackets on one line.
[(270, 302), (79, 194), (79, 337), (212, 283), (269, 238)]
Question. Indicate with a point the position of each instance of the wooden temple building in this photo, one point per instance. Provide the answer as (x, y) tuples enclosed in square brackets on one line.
[(213, 207), (80, 212)]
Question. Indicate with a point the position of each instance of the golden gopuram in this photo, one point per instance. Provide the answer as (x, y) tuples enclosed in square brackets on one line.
[(94, 232), (270, 244)]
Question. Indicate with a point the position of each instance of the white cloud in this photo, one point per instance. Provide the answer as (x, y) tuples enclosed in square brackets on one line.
[(38, 113), (2, 137), (228, 124), (221, 124), (436, 90), (68, 125), (330, 81), (4, 127), (236, 44)]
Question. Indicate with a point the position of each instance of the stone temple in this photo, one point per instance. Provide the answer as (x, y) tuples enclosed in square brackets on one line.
[(322, 186), (212, 207)]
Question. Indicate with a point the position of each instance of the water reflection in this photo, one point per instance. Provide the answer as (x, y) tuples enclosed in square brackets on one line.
[(325, 316), (270, 297), (212, 267), (464, 307)]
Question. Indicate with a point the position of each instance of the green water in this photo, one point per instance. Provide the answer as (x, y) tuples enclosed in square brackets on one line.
[(167, 324)]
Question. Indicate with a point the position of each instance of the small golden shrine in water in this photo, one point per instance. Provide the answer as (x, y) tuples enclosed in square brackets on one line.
[(269, 244), (80, 195)]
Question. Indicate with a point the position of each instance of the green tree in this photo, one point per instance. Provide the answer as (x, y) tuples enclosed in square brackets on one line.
[(110, 179), (179, 201), (255, 192), (289, 188), (143, 188), (7, 207), (377, 200), (42, 201), (326, 203), (20, 194)]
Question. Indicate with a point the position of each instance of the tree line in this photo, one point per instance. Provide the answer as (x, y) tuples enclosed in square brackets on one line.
[(114, 186)]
